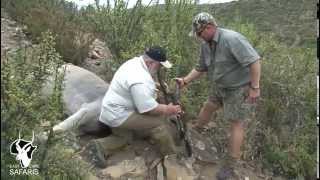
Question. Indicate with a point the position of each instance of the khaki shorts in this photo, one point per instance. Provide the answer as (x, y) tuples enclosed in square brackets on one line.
[(233, 102)]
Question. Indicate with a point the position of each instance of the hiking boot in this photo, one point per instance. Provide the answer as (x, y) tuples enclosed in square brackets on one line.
[(97, 154)]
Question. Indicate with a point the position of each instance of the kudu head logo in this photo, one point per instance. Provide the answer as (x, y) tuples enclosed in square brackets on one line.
[(23, 150)]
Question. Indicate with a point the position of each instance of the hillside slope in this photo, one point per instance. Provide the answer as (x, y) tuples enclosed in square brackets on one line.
[(294, 21)]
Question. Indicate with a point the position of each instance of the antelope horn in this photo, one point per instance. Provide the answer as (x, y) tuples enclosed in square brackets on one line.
[(32, 136), (18, 147)]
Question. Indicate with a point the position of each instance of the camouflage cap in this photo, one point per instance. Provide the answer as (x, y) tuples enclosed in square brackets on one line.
[(200, 21)]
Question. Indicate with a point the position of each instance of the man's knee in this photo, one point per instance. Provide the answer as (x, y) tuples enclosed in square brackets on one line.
[(207, 110), (238, 123), (211, 106), (164, 129)]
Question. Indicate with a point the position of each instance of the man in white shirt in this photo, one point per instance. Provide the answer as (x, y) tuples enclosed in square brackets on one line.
[(133, 90), (130, 102)]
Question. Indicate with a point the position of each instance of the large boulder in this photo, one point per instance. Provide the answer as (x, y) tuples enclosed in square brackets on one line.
[(98, 60), (82, 95)]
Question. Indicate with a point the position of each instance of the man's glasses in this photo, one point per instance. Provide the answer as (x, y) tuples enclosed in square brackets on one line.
[(201, 30)]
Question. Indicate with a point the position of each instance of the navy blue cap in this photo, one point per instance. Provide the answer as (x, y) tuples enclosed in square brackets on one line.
[(158, 53)]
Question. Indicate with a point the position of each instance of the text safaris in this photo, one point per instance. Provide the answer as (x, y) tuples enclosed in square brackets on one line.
[(14, 172)]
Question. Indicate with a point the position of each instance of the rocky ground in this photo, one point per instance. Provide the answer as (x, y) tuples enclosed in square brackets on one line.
[(137, 159)]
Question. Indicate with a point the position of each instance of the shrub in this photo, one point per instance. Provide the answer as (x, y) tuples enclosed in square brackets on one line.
[(284, 133), (61, 18), (23, 110)]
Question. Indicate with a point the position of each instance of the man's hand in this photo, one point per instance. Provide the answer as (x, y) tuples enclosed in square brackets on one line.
[(181, 81), (166, 110), (173, 110), (184, 81), (254, 95)]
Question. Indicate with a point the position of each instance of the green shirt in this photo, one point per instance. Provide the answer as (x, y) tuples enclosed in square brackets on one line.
[(227, 60)]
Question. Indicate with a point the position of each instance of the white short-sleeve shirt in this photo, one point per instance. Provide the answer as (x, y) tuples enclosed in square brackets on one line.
[(132, 89)]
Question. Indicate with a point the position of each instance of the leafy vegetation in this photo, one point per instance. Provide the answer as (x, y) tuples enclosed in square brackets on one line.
[(282, 136), (60, 17), (23, 75)]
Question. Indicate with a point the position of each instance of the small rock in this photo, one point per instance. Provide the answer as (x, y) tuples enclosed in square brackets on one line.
[(133, 167), (175, 170), (200, 145), (99, 50), (214, 149)]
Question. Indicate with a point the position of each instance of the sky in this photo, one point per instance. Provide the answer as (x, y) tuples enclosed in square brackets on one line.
[(81, 3)]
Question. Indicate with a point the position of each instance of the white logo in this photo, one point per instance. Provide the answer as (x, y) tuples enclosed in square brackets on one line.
[(23, 150)]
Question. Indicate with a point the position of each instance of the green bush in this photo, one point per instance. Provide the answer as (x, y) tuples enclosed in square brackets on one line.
[(284, 133), (62, 18), (24, 108)]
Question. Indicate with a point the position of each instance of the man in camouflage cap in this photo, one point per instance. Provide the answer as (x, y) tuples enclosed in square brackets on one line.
[(233, 69), (200, 21)]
